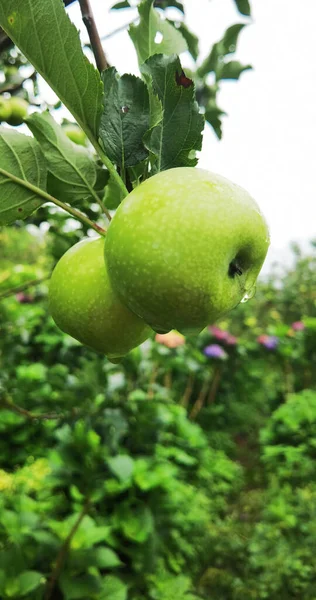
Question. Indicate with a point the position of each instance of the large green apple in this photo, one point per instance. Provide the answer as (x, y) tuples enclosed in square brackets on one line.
[(184, 248), (84, 305)]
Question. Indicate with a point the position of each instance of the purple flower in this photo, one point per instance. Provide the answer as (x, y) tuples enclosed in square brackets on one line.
[(215, 351), (268, 341), (298, 326)]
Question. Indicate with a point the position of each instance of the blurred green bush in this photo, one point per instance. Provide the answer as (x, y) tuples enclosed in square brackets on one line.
[(185, 472)]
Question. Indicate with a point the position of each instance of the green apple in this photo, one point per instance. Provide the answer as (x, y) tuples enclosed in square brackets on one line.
[(5, 109), (184, 248), (19, 110), (75, 134), (84, 305)]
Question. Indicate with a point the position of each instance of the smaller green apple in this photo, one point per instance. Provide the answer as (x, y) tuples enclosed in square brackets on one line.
[(19, 109), (75, 134), (5, 109), (84, 305)]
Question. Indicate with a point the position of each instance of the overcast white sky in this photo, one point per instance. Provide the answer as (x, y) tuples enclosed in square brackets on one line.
[(269, 135)]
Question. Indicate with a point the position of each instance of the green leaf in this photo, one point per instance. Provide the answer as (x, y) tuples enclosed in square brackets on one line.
[(125, 118), (87, 535), (166, 3), (45, 35), (113, 589), (135, 522), (82, 586), (105, 558), (212, 115), (151, 25), (148, 474), (73, 174), (28, 581), (44, 538), (122, 466), (21, 156), (178, 133), (191, 39), (231, 70), (243, 7), (227, 45), (113, 194), (119, 5)]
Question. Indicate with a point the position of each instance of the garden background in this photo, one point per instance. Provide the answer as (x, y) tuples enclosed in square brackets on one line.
[(185, 472)]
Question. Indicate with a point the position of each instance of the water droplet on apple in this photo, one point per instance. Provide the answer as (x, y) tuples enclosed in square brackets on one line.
[(249, 294)]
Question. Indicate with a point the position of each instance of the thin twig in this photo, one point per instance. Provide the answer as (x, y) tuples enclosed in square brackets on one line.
[(288, 378), (48, 198), (104, 209), (168, 380), (188, 391), (199, 403), (7, 403), (22, 287), (88, 19), (119, 29), (215, 385), (61, 557), (152, 381)]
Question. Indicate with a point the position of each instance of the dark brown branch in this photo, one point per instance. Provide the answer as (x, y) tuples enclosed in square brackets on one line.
[(61, 557), (88, 19)]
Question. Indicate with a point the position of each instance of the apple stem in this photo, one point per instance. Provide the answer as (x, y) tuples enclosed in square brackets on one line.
[(48, 198)]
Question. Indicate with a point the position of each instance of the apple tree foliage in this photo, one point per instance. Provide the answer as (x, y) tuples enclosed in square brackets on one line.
[(126, 118)]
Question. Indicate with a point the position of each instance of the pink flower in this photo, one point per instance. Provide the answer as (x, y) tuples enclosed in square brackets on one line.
[(24, 298), (231, 340), (218, 333), (223, 336), (298, 326), (173, 339)]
